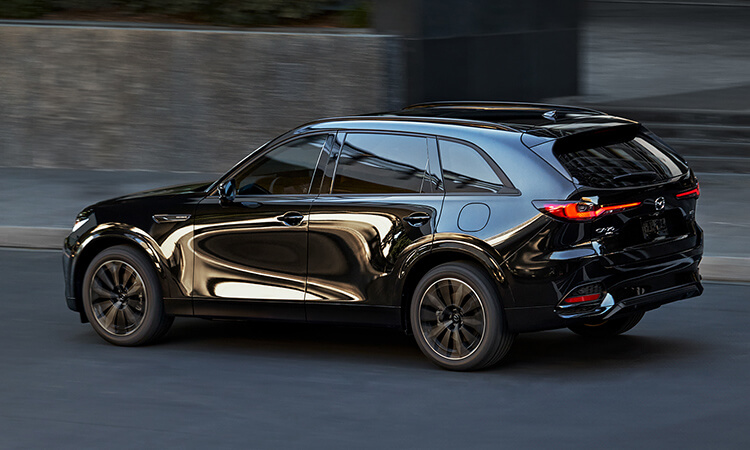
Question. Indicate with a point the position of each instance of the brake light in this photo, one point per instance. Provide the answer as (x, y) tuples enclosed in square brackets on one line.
[(692, 193), (580, 211)]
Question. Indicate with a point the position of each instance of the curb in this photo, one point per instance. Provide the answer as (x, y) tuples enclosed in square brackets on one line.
[(725, 268), (41, 238), (713, 268)]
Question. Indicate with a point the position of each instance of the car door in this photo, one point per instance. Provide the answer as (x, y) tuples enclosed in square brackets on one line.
[(251, 254), (379, 199)]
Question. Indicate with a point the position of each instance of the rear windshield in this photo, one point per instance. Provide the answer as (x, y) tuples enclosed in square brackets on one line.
[(641, 160)]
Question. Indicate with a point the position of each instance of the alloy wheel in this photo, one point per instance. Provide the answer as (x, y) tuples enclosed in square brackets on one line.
[(118, 297), (452, 318)]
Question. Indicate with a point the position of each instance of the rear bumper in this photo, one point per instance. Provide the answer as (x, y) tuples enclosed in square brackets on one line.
[(628, 288), (654, 300), (541, 318)]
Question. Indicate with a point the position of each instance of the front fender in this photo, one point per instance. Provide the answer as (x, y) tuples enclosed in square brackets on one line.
[(83, 250), (128, 233)]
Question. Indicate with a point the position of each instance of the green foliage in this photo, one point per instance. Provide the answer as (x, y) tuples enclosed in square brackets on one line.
[(227, 12), (358, 16), (23, 9), (256, 12)]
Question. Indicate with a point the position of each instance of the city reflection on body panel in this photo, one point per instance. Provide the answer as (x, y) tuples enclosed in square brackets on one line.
[(254, 248), (355, 241), (380, 204), (238, 244)]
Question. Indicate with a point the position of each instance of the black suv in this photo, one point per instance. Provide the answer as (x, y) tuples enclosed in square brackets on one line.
[(462, 223)]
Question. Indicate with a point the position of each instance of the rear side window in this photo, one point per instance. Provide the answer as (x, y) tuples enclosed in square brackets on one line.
[(466, 171), (639, 161), (374, 163)]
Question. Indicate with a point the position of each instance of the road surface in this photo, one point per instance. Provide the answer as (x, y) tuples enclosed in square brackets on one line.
[(678, 380)]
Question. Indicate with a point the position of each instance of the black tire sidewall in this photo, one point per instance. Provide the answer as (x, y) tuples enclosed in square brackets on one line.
[(495, 326), (154, 315)]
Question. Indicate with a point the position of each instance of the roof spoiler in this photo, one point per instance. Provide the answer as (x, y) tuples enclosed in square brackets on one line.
[(597, 137)]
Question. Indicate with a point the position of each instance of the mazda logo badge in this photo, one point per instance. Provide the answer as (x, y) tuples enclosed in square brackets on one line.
[(659, 203)]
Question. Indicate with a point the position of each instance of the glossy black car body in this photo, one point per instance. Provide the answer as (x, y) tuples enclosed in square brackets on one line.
[(349, 237)]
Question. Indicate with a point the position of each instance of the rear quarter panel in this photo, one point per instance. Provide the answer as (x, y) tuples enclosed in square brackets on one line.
[(513, 221)]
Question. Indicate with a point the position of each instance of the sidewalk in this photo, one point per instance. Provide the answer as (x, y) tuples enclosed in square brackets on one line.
[(40, 205)]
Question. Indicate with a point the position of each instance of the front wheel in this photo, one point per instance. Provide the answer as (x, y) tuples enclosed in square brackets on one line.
[(457, 318), (122, 298), (608, 328)]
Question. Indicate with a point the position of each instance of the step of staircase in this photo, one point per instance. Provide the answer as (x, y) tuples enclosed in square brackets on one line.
[(711, 141)]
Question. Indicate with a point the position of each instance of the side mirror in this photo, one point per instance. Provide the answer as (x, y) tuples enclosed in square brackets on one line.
[(227, 192)]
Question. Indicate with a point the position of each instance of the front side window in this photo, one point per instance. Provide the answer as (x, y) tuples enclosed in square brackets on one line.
[(287, 169), (466, 171), (372, 163)]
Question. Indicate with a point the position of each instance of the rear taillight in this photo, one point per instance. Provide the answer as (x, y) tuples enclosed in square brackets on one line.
[(580, 211), (692, 193)]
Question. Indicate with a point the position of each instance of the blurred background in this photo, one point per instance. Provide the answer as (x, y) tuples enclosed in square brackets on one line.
[(187, 85), (185, 88), (100, 98)]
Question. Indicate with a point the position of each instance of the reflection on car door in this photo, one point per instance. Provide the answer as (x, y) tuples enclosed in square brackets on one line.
[(255, 249), (381, 199)]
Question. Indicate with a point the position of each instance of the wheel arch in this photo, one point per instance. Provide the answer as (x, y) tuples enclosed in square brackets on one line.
[(451, 250), (104, 237)]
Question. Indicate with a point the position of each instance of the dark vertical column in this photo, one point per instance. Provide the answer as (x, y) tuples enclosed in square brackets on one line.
[(485, 49)]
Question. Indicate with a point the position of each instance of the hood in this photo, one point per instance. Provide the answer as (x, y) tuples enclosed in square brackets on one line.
[(170, 191)]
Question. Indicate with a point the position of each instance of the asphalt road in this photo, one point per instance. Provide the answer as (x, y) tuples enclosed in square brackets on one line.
[(678, 380)]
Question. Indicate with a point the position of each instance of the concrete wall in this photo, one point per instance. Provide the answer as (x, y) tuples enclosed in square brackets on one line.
[(172, 99)]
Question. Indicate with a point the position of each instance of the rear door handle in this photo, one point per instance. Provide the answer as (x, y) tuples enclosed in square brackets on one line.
[(417, 219), (292, 218)]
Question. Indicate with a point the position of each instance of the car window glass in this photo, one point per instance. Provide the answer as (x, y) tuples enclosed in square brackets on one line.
[(639, 161), (371, 163), (465, 170), (287, 169)]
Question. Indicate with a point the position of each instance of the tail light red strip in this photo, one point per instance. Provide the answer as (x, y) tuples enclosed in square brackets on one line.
[(580, 211), (692, 193)]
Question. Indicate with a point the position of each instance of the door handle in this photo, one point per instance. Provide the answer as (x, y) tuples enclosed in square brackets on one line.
[(291, 218), (417, 219)]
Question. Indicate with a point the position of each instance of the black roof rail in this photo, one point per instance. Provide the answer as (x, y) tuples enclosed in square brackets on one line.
[(389, 117), (517, 114), (499, 106)]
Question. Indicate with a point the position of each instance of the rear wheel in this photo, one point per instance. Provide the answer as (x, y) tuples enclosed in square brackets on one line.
[(122, 298), (457, 318), (608, 328)]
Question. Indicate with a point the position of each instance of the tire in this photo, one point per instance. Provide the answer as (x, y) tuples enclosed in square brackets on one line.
[(457, 318), (122, 298), (608, 328)]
